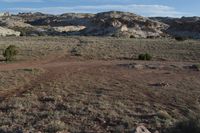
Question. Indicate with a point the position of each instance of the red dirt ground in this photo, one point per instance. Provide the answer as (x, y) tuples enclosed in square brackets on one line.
[(133, 93)]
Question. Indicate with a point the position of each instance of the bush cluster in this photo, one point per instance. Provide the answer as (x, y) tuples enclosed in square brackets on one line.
[(196, 67), (191, 125), (144, 57), (10, 52), (179, 38)]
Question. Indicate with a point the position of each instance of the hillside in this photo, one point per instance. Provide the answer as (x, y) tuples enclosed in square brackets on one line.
[(185, 26), (122, 24), (113, 23)]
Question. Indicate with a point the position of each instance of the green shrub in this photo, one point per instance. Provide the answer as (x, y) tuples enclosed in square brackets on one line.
[(132, 36), (196, 67), (163, 114), (75, 52), (145, 57), (10, 52), (191, 125), (179, 38)]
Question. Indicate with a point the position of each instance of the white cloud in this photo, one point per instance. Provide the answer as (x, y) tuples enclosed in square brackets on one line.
[(146, 10), (16, 1)]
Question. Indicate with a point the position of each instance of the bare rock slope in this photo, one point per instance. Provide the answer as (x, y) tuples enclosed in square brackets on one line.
[(112, 23), (124, 24), (8, 32), (184, 27)]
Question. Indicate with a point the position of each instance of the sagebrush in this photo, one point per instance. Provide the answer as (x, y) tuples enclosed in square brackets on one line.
[(10, 52)]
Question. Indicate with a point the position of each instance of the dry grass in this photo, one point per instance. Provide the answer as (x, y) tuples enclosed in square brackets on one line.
[(16, 78), (104, 47), (103, 99), (79, 95)]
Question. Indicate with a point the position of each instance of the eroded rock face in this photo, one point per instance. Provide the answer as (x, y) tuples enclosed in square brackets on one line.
[(124, 23), (68, 19), (69, 28), (8, 32), (10, 23), (114, 23), (101, 24), (184, 27)]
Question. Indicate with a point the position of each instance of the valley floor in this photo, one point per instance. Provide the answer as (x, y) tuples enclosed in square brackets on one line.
[(60, 92)]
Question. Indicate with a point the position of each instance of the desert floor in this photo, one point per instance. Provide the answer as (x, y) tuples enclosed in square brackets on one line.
[(96, 84)]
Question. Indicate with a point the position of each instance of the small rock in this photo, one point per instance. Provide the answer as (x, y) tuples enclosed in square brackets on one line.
[(195, 67), (142, 129), (163, 114), (132, 65), (154, 66), (138, 66), (63, 132), (161, 84)]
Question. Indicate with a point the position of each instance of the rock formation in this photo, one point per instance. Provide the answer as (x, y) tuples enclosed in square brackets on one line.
[(142, 129), (113, 23), (120, 24), (8, 32), (188, 27)]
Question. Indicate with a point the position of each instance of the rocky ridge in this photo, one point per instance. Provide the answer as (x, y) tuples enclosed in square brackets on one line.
[(188, 27), (113, 23)]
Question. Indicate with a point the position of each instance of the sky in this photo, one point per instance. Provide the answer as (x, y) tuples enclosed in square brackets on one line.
[(165, 8)]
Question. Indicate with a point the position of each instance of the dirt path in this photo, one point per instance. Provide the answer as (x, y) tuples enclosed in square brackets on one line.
[(102, 89), (54, 69), (71, 62), (54, 63)]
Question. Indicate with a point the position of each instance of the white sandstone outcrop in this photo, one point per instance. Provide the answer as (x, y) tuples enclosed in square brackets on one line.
[(8, 32)]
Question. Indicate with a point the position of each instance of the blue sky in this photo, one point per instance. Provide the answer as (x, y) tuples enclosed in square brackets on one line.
[(171, 8)]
